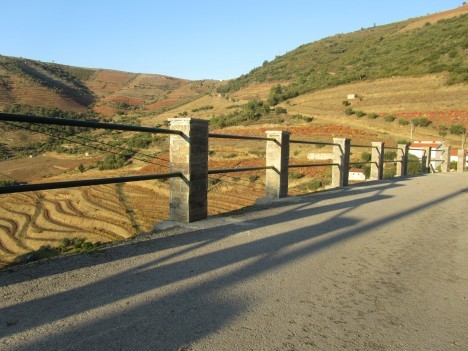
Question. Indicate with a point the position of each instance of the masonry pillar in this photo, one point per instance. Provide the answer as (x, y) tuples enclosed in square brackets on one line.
[(445, 167), (277, 155), (426, 161), (377, 161), (189, 155), (402, 160), (341, 153), (461, 160)]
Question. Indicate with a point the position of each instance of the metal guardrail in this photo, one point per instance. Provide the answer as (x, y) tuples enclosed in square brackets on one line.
[(86, 182), (312, 142), (233, 170), (240, 137), (87, 124), (312, 165)]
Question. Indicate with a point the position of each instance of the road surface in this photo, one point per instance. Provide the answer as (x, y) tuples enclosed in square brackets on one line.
[(381, 266)]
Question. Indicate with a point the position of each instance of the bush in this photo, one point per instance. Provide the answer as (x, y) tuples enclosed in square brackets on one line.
[(414, 165), (403, 122), (366, 156), (8, 183), (279, 110), (203, 108), (346, 103), (360, 113), (372, 115), (295, 175), (389, 118), (420, 121), (254, 177), (349, 111), (390, 155), (314, 185)]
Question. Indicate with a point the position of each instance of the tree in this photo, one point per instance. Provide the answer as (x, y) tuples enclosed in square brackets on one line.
[(418, 122), (459, 129)]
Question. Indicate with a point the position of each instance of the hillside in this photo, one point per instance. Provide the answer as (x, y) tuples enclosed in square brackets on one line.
[(399, 49), (106, 92)]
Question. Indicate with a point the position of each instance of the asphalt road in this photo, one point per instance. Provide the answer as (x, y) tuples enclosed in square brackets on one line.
[(382, 266)]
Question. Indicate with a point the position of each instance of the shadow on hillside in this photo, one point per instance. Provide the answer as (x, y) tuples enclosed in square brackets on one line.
[(166, 318)]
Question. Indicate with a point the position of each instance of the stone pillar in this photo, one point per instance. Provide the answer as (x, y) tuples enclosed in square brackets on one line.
[(277, 155), (189, 155), (461, 160), (445, 167), (341, 153), (426, 161), (402, 160), (377, 161)]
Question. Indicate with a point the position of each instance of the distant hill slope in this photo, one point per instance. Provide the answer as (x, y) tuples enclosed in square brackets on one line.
[(108, 92), (432, 44)]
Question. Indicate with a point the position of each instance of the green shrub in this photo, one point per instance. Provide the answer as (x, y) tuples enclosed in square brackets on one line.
[(314, 185), (349, 111), (360, 113), (403, 122), (414, 165), (372, 115), (8, 183), (295, 175), (279, 110), (203, 108), (346, 103), (366, 156), (254, 177), (389, 118)]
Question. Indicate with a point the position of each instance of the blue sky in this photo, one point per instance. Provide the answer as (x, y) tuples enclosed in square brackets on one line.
[(199, 39)]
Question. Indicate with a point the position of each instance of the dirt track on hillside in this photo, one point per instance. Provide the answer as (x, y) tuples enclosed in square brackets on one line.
[(382, 266)]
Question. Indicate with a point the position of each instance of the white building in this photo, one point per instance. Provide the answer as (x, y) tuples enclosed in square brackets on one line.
[(356, 174), (454, 157), (437, 151)]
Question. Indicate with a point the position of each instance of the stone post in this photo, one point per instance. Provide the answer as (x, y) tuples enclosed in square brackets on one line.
[(377, 161), (402, 160), (341, 153), (277, 156), (461, 160), (189, 155), (445, 167), (426, 161)]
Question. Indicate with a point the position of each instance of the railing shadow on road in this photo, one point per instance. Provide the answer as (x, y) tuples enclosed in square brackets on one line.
[(152, 242), (167, 319)]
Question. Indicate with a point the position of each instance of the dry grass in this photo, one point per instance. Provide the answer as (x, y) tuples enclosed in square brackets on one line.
[(434, 18)]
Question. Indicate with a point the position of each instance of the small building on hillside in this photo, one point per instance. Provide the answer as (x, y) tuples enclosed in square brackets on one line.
[(454, 157), (352, 96), (357, 174), (417, 148)]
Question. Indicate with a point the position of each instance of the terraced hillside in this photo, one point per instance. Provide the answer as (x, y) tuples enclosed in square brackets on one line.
[(29, 221)]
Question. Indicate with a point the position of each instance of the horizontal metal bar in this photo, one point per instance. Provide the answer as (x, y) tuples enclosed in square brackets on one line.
[(391, 161), (418, 149), (393, 148), (87, 182), (86, 124), (364, 146), (311, 142), (313, 165), (244, 137), (360, 163), (232, 170)]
